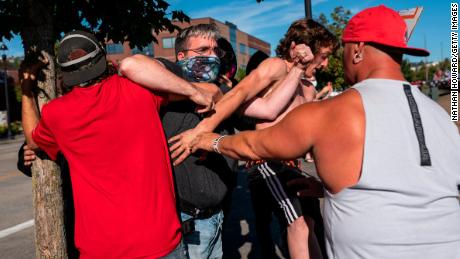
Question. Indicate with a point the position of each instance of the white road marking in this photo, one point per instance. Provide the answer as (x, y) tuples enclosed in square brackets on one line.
[(17, 228)]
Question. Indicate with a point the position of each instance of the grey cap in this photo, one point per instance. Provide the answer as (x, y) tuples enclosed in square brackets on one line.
[(81, 58)]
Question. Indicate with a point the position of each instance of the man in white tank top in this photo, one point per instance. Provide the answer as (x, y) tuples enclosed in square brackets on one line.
[(387, 155)]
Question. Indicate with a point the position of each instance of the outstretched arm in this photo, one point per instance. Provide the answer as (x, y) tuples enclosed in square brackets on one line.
[(291, 138), (151, 74)]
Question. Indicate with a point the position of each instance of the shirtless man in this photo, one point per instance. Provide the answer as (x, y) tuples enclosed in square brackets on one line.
[(289, 70)]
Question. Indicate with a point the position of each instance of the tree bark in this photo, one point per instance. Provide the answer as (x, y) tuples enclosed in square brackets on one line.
[(50, 241)]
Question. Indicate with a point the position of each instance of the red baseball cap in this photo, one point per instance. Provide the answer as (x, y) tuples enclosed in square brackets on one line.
[(380, 25)]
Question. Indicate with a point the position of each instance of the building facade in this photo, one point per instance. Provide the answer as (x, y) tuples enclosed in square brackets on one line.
[(243, 44)]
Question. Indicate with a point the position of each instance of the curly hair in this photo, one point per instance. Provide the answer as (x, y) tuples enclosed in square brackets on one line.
[(308, 32)]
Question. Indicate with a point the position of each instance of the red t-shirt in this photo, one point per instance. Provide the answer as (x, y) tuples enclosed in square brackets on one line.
[(120, 169)]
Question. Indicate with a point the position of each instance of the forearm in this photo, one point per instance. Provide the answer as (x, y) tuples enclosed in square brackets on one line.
[(240, 146), (273, 104), (153, 75), (288, 139), (30, 117), (224, 109), (210, 88), (243, 92)]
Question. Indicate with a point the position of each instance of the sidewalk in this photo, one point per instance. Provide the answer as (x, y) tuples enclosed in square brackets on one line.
[(16, 139), (239, 234)]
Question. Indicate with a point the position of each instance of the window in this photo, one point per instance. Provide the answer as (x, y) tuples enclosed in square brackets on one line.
[(233, 38), (232, 32), (114, 48), (243, 49), (168, 43), (148, 50)]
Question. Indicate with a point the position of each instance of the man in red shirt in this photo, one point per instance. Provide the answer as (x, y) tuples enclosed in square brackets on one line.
[(109, 130)]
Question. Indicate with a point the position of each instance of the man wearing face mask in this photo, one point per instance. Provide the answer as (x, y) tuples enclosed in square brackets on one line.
[(202, 183)]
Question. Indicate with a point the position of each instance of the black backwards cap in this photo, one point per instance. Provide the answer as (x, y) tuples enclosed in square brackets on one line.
[(81, 58)]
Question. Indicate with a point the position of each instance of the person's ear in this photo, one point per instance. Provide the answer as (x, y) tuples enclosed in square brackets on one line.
[(358, 51), (357, 58), (180, 55)]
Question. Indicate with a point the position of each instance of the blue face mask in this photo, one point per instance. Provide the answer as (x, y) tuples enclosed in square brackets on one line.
[(200, 68)]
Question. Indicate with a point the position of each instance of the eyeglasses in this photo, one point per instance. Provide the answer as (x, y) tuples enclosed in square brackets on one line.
[(208, 50)]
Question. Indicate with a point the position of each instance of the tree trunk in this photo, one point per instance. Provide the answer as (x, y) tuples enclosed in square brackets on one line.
[(50, 241)]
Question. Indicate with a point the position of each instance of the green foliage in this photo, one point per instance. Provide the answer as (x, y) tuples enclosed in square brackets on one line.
[(334, 72), (16, 128), (339, 19), (117, 20), (408, 73), (240, 74)]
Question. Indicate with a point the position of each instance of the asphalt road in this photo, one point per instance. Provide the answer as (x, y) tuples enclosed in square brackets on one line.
[(15, 205)]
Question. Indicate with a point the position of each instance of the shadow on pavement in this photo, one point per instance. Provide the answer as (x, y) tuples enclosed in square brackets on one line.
[(239, 234)]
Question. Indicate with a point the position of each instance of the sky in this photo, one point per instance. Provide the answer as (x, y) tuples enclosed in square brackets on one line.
[(270, 19)]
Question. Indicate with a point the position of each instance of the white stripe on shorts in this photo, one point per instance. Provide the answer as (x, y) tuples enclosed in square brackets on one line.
[(269, 182), (279, 193)]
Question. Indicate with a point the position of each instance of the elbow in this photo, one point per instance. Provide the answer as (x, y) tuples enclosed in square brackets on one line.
[(32, 145), (128, 65), (125, 66), (270, 115), (267, 113)]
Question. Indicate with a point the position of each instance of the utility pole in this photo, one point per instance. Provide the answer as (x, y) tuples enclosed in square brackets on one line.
[(426, 61), (442, 52), (308, 14)]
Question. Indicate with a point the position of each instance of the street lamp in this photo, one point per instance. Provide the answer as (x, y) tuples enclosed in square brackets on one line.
[(4, 48)]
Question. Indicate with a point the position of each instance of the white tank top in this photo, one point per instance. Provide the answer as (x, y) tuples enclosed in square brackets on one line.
[(405, 204)]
